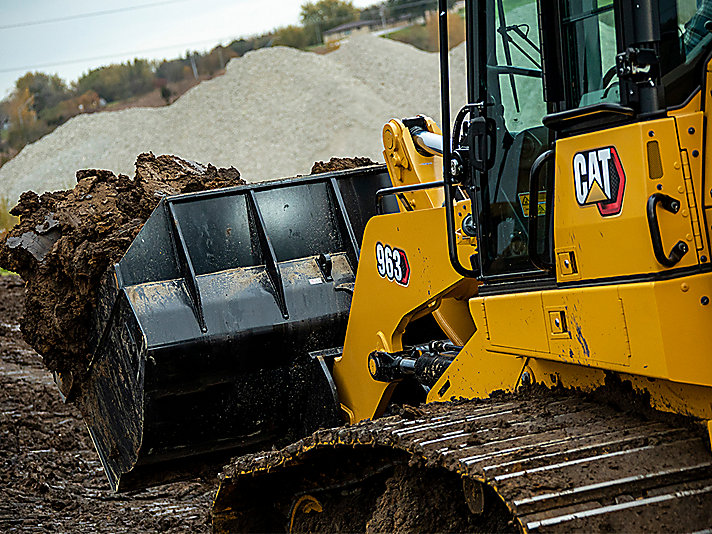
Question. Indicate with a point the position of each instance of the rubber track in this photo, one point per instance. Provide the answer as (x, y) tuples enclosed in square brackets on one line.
[(560, 466)]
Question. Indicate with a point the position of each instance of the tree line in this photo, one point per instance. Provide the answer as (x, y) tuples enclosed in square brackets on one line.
[(40, 102)]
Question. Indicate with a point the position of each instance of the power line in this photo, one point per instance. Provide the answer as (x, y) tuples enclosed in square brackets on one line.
[(88, 15), (109, 56), (147, 50)]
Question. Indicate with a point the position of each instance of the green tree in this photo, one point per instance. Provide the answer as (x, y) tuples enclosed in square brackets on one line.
[(318, 17), (118, 82), (47, 90), (242, 46), (171, 71), (294, 36), (398, 8), (371, 12), (4, 116), (25, 126), (166, 94)]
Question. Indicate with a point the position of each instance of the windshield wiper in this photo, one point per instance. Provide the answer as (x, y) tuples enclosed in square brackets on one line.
[(521, 71), (510, 69), (507, 51), (517, 28)]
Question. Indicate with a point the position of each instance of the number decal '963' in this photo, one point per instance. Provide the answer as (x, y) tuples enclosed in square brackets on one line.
[(392, 264)]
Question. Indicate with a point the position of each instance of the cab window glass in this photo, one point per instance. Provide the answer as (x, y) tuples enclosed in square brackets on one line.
[(518, 64), (515, 95), (692, 15), (684, 44), (589, 31)]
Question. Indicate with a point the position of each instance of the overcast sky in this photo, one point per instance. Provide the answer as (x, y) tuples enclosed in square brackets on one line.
[(160, 29)]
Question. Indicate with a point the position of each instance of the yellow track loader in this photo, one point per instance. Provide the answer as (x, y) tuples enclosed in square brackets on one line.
[(553, 236)]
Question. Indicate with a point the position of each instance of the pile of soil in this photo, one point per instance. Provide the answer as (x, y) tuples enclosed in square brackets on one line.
[(66, 240), (51, 479), (340, 164)]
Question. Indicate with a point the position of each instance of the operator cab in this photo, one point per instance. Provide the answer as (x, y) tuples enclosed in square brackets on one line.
[(536, 77)]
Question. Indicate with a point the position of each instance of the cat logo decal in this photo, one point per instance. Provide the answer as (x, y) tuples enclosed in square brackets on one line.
[(599, 179)]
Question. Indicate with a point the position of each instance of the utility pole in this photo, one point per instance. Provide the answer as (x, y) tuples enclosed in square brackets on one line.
[(382, 12), (192, 64)]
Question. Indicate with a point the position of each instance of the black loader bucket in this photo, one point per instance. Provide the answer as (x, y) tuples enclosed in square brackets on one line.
[(204, 328)]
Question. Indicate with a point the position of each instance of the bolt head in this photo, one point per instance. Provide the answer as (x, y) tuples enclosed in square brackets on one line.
[(455, 167), (372, 366), (526, 378)]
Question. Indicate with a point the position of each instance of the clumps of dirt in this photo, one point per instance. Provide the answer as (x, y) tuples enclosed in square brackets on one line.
[(344, 510), (432, 500), (66, 240), (340, 164)]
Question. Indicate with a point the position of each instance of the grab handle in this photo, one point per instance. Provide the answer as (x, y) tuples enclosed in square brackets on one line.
[(673, 206), (533, 224)]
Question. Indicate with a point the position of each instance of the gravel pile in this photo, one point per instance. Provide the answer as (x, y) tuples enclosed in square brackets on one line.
[(274, 113)]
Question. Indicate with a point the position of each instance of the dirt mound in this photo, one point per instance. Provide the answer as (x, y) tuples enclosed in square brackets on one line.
[(341, 164), (65, 241)]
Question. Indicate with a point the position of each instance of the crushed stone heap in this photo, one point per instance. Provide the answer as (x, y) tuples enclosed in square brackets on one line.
[(275, 111)]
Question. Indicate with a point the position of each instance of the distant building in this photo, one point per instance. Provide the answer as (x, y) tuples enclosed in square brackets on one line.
[(350, 28)]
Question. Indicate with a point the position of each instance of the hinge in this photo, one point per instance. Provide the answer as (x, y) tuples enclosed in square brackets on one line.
[(484, 315), (635, 63), (691, 201)]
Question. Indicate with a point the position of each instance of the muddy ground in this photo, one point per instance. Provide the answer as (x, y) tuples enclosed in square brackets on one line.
[(50, 476)]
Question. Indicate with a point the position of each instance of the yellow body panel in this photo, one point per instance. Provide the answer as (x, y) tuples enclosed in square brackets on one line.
[(654, 334), (620, 245), (615, 312), (381, 309)]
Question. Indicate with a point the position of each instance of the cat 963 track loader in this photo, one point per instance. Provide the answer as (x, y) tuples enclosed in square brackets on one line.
[(557, 236)]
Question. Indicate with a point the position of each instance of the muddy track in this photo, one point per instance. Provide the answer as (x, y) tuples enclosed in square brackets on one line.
[(50, 476), (560, 464)]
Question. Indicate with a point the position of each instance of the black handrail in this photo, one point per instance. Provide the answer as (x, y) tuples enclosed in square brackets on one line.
[(447, 150), (387, 191), (533, 223), (671, 205)]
